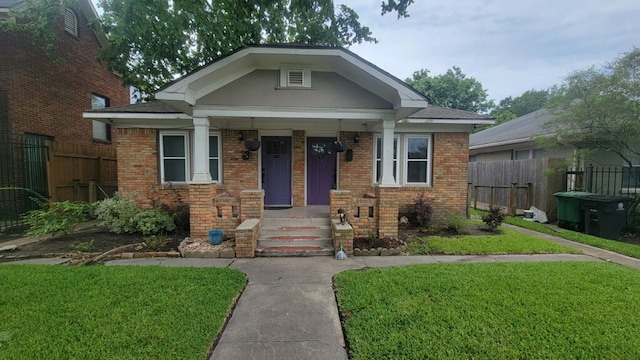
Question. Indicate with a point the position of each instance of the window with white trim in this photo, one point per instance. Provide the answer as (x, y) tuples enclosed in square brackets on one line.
[(378, 157), (413, 151), (101, 131), (174, 163), (417, 161), (70, 22), (214, 157)]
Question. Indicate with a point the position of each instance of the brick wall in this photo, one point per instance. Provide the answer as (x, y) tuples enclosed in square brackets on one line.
[(298, 158), (138, 171), (356, 175), (448, 192), (238, 174), (46, 94)]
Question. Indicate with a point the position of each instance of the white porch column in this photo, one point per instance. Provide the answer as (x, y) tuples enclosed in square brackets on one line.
[(388, 127), (201, 172)]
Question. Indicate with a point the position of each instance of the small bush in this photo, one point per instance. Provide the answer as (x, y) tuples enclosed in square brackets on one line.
[(84, 246), (456, 223), (424, 211), (155, 242), (121, 215), (154, 221), (56, 217), (118, 215), (493, 218)]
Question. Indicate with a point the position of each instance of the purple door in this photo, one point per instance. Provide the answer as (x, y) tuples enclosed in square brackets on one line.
[(321, 170), (276, 170)]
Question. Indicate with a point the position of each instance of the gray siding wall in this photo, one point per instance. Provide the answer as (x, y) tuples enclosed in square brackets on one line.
[(260, 88)]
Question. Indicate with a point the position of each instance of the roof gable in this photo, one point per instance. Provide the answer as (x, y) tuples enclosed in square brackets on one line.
[(186, 91)]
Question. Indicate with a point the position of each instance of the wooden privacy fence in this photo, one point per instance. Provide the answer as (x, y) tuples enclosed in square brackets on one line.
[(502, 174), (512, 196), (80, 172)]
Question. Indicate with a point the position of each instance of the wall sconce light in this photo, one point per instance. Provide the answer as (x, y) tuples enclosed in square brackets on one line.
[(245, 155), (356, 139), (240, 136)]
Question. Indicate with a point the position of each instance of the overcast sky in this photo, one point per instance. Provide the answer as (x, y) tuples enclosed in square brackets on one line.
[(510, 46)]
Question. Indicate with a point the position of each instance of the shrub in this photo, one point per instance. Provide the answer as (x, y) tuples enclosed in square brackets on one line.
[(56, 217), (118, 215), (153, 221), (121, 215), (493, 218), (84, 246), (424, 211), (155, 242), (455, 223)]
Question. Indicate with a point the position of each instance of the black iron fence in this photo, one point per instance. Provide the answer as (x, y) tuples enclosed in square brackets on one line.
[(23, 173), (609, 180)]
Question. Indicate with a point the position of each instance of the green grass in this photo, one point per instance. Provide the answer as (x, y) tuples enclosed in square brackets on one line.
[(98, 312), (612, 245), (575, 310), (507, 242)]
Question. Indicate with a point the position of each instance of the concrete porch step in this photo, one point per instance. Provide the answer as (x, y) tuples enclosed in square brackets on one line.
[(289, 250), (292, 236)]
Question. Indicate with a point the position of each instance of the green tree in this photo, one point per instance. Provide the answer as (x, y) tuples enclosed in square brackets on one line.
[(510, 108), (599, 109), (452, 89), (153, 42)]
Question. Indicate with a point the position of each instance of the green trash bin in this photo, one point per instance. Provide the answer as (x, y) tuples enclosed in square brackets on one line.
[(605, 216), (570, 213)]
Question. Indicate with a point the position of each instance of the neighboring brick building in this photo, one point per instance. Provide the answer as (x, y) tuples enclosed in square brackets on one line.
[(43, 94), (325, 118), (42, 97)]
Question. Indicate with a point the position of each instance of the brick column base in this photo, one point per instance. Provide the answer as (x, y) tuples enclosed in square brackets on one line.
[(387, 211), (340, 199), (251, 204), (201, 218)]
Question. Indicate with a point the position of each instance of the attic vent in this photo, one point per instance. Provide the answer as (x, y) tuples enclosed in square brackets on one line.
[(70, 22), (295, 78)]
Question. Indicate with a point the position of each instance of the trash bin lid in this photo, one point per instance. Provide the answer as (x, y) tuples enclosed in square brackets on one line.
[(572, 194), (606, 198)]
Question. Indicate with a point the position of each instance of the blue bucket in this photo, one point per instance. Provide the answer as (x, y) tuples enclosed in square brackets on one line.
[(215, 236)]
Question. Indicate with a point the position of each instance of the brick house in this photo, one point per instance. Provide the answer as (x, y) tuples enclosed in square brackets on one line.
[(42, 97), (44, 94), (292, 126)]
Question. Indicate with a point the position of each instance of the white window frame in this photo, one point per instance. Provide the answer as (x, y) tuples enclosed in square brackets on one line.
[(100, 131), (187, 157), (219, 158), (396, 161), (70, 22), (428, 160)]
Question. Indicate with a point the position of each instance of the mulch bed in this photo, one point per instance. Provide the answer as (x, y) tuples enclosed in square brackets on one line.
[(102, 241)]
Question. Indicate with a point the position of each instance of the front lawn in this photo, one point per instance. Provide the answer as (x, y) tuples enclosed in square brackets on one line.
[(612, 245), (98, 312), (506, 242), (567, 310)]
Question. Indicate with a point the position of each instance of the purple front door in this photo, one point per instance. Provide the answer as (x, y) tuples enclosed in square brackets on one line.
[(321, 170), (276, 170)]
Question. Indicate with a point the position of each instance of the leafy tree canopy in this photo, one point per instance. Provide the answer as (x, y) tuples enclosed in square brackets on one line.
[(153, 42), (510, 108), (452, 89), (599, 108)]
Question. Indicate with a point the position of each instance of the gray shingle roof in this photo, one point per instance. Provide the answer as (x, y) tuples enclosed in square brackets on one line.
[(520, 129), (152, 107), (9, 3), (437, 112)]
